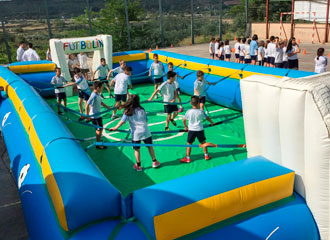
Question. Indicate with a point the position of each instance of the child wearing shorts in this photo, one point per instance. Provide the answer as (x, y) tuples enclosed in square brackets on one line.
[(237, 49), (93, 107), (103, 70), (169, 96), (83, 88), (159, 70), (227, 50), (241, 50), (60, 83), (138, 122), (199, 88), (122, 82), (83, 62), (195, 129), (212, 48), (177, 86), (246, 51)]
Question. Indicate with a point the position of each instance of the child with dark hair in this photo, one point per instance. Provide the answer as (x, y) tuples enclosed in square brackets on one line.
[(285, 55), (271, 48), (246, 51), (169, 96), (177, 86), (266, 54), (195, 116), (103, 70), (279, 54), (159, 70), (93, 107), (237, 49), (138, 122), (216, 47), (59, 83), (241, 50), (122, 81), (320, 61), (220, 51), (83, 88), (261, 53), (254, 49), (227, 51), (292, 50), (199, 88)]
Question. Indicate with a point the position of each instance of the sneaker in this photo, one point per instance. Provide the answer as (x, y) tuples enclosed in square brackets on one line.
[(185, 160), (160, 95), (155, 164), (180, 109), (207, 157), (101, 147), (173, 122), (60, 113), (137, 168), (156, 97), (112, 96), (167, 129), (114, 116), (81, 119)]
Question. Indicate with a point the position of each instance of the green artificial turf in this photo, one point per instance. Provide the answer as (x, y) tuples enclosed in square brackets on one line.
[(116, 163)]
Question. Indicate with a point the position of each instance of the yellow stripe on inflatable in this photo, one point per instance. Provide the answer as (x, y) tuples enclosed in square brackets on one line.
[(46, 67), (38, 149), (206, 212), (129, 58)]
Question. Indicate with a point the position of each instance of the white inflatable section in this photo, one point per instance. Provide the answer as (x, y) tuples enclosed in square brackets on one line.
[(288, 121), (101, 45)]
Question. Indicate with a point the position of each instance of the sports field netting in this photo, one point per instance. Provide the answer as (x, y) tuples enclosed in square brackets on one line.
[(116, 163)]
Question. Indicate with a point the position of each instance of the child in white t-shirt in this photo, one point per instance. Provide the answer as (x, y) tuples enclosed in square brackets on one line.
[(279, 55), (246, 51), (216, 47), (159, 71), (59, 83), (138, 122), (221, 51), (195, 129), (241, 50), (176, 83), (103, 70), (266, 64), (271, 48), (122, 82), (200, 88), (285, 55), (170, 95), (261, 53), (83, 62), (237, 49), (212, 48), (227, 51), (320, 61)]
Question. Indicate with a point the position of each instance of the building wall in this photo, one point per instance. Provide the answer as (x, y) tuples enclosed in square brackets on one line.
[(302, 31)]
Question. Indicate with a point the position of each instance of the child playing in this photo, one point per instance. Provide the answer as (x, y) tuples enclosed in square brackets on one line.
[(195, 116), (241, 50), (117, 70), (216, 47), (279, 54), (246, 51), (83, 62), (227, 50), (159, 70), (103, 70), (59, 82), (212, 47), (138, 122), (83, 88), (94, 104), (261, 53), (221, 51), (177, 86), (237, 49), (122, 81), (169, 95), (73, 63), (320, 61), (199, 88)]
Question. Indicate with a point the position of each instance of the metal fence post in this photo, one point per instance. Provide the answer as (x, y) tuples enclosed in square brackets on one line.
[(127, 26)]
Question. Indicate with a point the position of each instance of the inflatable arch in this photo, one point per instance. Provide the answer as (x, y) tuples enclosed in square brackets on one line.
[(100, 44), (288, 121)]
